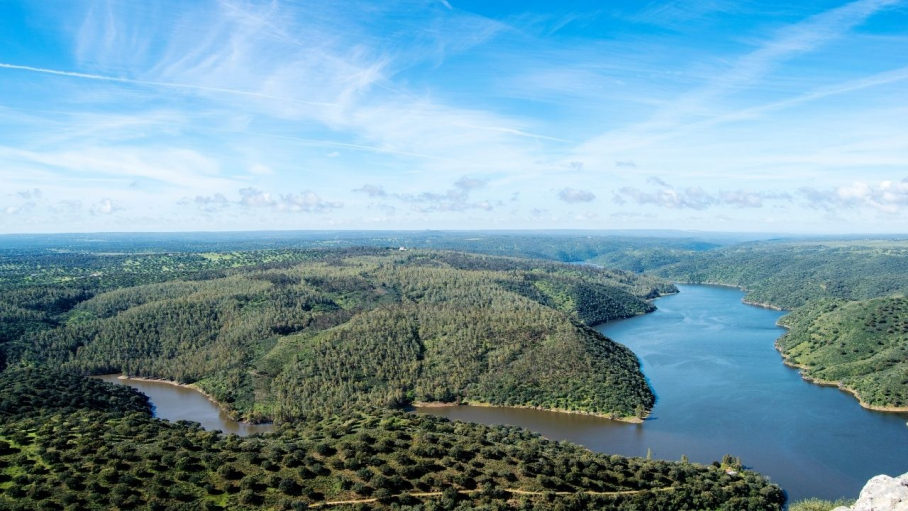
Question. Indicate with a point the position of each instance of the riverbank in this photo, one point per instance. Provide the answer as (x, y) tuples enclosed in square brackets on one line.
[(479, 404), (837, 384), (786, 360), (230, 413)]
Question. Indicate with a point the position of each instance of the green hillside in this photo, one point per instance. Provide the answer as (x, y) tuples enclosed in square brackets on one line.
[(790, 274), (861, 344), (313, 333)]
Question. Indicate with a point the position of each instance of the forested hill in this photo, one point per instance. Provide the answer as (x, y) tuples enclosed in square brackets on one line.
[(862, 344), (68, 442), (311, 333), (789, 274)]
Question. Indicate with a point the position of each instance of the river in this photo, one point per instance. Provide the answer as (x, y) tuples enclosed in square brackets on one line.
[(722, 388), (176, 402)]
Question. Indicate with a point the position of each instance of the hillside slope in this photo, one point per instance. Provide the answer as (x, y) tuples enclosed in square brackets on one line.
[(341, 330), (789, 274), (862, 345)]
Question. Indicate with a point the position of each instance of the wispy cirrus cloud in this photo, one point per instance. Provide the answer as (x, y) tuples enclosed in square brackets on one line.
[(145, 103), (697, 105)]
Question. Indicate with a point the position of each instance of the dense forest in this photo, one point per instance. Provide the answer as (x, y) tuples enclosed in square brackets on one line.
[(68, 442), (789, 274), (295, 334)]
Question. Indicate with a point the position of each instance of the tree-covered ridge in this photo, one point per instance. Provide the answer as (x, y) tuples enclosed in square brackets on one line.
[(863, 345), (119, 457), (334, 330), (789, 274)]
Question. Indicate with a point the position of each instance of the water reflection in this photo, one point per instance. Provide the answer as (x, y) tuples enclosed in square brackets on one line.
[(176, 402)]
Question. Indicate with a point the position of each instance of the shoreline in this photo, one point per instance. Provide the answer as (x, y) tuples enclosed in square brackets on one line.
[(480, 404), (837, 384), (197, 389), (802, 368)]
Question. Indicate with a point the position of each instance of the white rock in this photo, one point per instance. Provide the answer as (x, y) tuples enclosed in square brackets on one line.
[(882, 493)]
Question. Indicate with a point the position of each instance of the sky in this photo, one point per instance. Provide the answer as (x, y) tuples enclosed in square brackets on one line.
[(714, 115)]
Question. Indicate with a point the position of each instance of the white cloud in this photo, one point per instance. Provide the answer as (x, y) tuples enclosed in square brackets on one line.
[(255, 198), (22, 208), (694, 197), (372, 190), (306, 201), (456, 198), (34, 193), (105, 207), (573, 195), (886, 196)]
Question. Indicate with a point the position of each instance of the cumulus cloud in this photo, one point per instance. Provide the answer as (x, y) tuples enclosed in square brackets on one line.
[(469, 183), (22, 208), (626, 163), (255, 198), (573, 195), (372, 190), (208, 203), (886, 196), (216, 199), (456, 198), (105, 207), (306, 201), (34, 193), (667, 196)]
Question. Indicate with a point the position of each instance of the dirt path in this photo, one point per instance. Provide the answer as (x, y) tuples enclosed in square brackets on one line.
[(468, 492)]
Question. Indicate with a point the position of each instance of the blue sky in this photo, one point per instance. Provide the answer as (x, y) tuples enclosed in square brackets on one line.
[(240, 115)]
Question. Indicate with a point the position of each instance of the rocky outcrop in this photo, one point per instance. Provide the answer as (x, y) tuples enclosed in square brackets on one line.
[(882, 493)]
